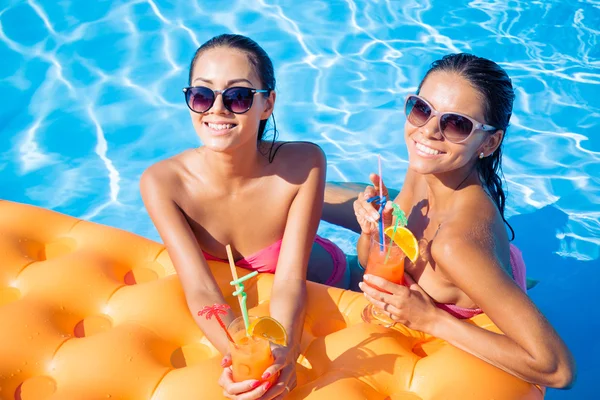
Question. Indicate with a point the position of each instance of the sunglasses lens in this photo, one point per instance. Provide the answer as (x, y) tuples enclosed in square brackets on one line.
[(199, 99), (455, 128), (417, 111), (238, 100)]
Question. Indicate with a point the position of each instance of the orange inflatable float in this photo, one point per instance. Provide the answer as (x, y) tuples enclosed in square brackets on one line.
[(92, 312)]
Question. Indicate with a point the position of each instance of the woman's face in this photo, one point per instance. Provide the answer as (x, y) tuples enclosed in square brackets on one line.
[(218, 128), (429, 152)]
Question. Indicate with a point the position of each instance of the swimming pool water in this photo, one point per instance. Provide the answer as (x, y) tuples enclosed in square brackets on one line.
[(91, 96)]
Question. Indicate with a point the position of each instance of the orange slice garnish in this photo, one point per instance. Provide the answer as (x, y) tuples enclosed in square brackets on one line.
[(268, 328), (405, 239)]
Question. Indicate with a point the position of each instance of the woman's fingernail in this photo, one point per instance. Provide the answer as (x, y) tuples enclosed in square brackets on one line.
[(255, 384), (360, 285), (266, 375), (366, 277), (267, 386)]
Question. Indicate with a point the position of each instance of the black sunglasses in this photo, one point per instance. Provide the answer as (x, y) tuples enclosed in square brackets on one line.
[(455, 127), (236, 99)]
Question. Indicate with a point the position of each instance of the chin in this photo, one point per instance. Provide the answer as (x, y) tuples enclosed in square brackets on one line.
[(228, 143), (423, 167), (220, 145), (422, 170), (431, 167)]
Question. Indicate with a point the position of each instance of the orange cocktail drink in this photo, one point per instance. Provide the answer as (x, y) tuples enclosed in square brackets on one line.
[(250, 355), (386, 262), (391, 269)]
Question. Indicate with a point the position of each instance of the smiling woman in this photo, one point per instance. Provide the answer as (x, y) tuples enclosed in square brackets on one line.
[(453, 196), (234, 190), (251, 71)]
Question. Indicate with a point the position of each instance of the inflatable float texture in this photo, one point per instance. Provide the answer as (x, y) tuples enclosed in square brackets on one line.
[(92, 312)]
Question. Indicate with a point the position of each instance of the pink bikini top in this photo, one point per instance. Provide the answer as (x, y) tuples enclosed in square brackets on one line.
[(264, 260)]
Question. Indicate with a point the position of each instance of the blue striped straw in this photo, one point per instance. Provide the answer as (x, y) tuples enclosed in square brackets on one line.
[(381, 241)]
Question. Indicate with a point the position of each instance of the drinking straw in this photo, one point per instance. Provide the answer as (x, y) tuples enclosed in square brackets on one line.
[(238, 283), (215, 310), (400, 220), (381, 238), (381, 201)]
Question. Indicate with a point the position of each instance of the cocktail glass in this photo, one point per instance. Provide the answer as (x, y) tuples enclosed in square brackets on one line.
[(387, 264), (250, 355)]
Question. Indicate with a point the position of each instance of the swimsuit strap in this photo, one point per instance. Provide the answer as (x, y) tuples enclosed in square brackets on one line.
[(436, 232)]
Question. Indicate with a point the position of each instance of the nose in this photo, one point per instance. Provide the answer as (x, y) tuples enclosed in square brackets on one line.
[(431, 130), (218, 106)]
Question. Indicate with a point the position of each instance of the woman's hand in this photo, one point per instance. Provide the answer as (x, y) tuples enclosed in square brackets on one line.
[(284, 365), (410, 306), (367, 214), (245, 390)]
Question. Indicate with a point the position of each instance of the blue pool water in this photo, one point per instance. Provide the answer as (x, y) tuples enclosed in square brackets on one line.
[(90, 95)]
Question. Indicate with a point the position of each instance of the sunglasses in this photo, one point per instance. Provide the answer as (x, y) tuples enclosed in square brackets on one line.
[(236, 99), (454, 127)]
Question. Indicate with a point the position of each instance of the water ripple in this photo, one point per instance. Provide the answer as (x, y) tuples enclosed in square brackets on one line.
[(101, 150), (343, 69)]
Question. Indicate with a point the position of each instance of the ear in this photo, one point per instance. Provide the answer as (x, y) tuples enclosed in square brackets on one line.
[(492, 142), (269, 105)]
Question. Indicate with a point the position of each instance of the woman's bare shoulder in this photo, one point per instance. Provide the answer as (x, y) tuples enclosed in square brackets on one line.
[(166, 174), (297, 150), (475, 225), (297, 158)]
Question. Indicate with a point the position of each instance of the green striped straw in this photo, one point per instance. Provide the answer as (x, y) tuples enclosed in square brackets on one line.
[(238, 283), (400, 220), (240, 292)]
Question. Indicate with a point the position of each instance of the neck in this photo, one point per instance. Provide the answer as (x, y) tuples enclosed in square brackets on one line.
[(441, 187), (235, 168)]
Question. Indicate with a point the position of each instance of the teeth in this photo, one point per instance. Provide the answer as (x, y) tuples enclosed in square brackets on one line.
[(219, 127), (426, 149)]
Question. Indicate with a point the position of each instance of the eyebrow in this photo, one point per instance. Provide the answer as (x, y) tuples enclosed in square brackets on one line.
[(229, 83)]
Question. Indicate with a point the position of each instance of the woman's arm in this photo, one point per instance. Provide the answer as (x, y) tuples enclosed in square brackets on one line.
[(530, 348), (157, 185), (288, 296), (337, 208), (289, 287)]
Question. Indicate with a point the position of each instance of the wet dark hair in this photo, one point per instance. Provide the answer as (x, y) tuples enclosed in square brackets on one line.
[(495, 87), (261, 62)]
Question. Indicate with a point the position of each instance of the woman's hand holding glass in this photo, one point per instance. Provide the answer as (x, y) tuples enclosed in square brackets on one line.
[(266, 388), (408, 305), (258, 365)]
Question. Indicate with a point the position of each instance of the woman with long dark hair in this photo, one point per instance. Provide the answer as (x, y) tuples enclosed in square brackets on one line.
[(454, 200), (239, 188)]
